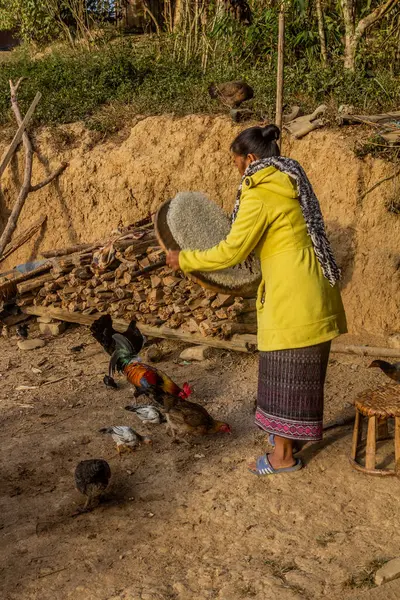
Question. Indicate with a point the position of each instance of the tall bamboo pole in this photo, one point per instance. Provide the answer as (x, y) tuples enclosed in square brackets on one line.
[(279, 76)]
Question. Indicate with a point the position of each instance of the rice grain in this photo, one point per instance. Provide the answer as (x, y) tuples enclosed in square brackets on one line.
[(197, 223)]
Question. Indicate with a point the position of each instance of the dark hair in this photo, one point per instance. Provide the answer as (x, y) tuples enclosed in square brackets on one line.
[(261, 141)]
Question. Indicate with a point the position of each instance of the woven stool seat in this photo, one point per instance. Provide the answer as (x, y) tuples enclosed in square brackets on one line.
[(384, 402), (378, 406)]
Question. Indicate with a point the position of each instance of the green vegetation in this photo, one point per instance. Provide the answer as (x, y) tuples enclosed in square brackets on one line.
[(86, 72)]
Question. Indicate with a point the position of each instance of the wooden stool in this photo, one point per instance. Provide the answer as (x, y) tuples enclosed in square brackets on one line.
[(378, 406)]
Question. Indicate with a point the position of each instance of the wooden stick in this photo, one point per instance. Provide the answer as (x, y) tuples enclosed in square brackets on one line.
[(378, 183), (239, 343), (356, 435), (25, 276), (12, 220), (33, 284), (18, 136), (365, 350), (26, 185), (370, 458), (280, 67), (49, 179), (70, 250), (23, 237), (397, 444), (153, 267)]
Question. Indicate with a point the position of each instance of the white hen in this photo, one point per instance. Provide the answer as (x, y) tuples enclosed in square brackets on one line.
[(125, 437), (147, 413)]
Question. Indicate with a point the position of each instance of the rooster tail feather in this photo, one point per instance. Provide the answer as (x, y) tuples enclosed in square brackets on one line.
[(97, 327), (123, 354)]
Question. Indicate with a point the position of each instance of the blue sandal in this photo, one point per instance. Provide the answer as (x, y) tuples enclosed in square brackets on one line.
[(264, 467)]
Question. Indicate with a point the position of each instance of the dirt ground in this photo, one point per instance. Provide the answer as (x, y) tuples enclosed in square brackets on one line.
[(178, 522)]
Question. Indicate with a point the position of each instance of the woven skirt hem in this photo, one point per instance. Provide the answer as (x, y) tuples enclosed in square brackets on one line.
[(288, 428)]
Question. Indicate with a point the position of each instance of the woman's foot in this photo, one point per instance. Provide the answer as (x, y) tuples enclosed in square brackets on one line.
[(276, 462), (263, 466), (282, 456)]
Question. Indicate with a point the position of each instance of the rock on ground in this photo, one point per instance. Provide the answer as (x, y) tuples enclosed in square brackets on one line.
[(389, 571), (195, 353), (30, 344)]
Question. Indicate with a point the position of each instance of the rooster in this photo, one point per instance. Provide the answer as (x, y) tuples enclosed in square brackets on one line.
[(103, 331), (183, 417), (392, 371), (146, 380), (92, 478)]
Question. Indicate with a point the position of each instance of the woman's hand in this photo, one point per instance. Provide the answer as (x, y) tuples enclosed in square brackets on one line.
[(173, 259)]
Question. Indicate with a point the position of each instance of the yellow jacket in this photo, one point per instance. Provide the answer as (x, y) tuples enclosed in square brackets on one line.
[(296, 305)]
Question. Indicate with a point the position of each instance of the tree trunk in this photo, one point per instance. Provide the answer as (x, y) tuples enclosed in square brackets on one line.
[(354, 33), (321, 32), (349, 27)]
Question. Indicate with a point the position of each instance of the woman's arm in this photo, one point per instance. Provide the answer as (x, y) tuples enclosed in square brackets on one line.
[(250, 224)]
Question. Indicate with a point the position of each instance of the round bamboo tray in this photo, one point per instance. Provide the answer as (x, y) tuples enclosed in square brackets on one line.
[(168, 242)]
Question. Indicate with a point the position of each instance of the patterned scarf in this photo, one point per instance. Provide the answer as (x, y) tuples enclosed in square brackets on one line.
[(309, 207)]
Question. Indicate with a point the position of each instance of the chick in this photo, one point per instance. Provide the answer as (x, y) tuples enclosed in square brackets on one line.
[(125, 437), (232, 93), (392, 371), (147, 413), (22, 331), (92, 478)]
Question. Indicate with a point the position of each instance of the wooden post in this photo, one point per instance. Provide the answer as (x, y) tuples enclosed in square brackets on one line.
[(397, 444), (280, 68), (370, 452), (356, 435)]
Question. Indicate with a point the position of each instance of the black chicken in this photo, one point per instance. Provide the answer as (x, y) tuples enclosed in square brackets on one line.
[(22, 331), (392, 371), (103, 331), (92, 478)]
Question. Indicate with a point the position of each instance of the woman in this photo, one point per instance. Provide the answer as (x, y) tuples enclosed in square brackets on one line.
[(299, 307)]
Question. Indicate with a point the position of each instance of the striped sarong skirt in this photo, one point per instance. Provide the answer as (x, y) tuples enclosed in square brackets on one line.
[(290, 399)]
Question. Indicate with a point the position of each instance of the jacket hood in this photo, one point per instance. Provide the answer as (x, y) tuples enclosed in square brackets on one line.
[(276, 182)]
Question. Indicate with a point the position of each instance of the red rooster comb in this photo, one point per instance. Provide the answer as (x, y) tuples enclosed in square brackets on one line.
[(185, 392)]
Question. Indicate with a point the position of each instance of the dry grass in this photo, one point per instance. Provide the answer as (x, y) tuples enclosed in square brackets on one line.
[(365, 577)]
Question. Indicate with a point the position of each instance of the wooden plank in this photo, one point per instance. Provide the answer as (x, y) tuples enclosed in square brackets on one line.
[(237, 343), (18, 136)]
